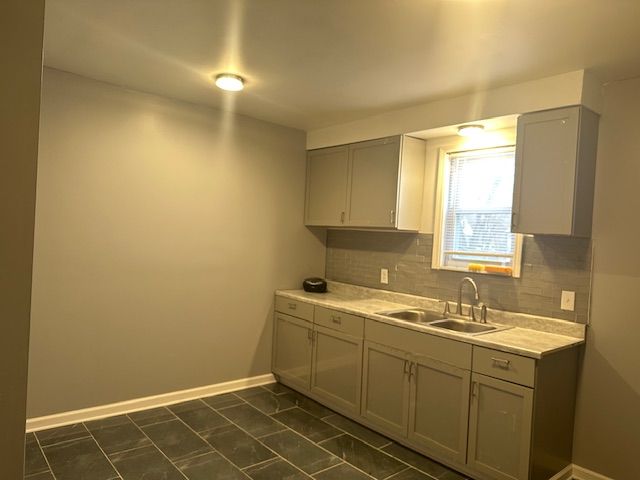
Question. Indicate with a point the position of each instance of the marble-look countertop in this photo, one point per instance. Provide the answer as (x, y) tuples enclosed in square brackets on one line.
[(529, 336)]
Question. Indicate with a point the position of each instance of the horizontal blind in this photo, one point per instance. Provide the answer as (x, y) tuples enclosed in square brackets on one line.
[(477, 217)]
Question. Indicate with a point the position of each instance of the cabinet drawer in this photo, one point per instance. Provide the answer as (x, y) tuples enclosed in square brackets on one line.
[(343, 322), (438, 348), (507, 366), (294, 308)]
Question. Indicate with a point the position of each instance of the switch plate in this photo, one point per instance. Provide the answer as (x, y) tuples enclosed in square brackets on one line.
[(568, 300), (384, 276)]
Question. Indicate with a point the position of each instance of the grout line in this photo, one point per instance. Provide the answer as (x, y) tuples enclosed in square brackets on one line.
[(45, 457), (158, 448), (103, 453)]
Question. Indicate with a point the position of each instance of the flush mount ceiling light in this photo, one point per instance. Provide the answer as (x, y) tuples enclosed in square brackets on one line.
[(470, 130), (229, 82)]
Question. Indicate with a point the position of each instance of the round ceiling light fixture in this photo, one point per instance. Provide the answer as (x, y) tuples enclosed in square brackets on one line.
[(471, 130), (229, 82)]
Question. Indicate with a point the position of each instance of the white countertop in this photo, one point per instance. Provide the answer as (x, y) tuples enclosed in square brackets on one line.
[(528, 342)]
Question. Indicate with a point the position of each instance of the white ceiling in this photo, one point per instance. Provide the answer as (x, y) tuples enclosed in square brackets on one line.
[(312, 63)]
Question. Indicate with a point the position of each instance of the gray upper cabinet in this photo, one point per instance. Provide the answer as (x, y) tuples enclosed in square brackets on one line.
[(373, 184), (327, 174), (555, 172)]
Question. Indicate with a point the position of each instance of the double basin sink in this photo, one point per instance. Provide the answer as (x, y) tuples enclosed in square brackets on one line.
[(434, 319)]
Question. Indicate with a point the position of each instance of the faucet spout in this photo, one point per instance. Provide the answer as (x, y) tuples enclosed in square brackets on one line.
[(476, 296)]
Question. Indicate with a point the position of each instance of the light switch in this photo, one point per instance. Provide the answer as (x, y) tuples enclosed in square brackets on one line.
[(384, 276), (568, 300)]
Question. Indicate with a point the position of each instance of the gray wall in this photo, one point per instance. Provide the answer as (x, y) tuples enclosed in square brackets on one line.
[(162, 230), (21, 26), (607, 432), (550, 265)]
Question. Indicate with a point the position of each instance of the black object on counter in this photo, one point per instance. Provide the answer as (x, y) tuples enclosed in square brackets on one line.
[(315, 285)]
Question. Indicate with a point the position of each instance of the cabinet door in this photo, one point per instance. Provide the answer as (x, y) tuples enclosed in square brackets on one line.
[(500, 428), (292, 350), (373, 183), (546, 155), (336, 370), (439, 408), (327, 171), (385, 388)]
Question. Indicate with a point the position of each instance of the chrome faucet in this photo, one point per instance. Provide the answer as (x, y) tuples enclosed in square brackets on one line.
[(476, 297)]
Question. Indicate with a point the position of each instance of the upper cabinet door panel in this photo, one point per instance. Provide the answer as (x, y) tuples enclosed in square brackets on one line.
[(373, 182), (546, 154), (327, 171)]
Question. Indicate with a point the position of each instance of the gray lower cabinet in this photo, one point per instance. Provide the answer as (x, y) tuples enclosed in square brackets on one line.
[(500, 422), (438, 411), (336, 368), (292, 348), (385, 388)]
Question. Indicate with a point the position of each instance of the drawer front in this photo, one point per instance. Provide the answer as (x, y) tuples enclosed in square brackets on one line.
[(506, 366), (431, 346), (294, 308), (343, 322)]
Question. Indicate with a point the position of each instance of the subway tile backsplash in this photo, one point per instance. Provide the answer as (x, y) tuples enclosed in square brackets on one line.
[(550, 265)]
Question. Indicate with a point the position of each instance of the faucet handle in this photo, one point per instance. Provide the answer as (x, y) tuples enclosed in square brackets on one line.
[(447, 310)]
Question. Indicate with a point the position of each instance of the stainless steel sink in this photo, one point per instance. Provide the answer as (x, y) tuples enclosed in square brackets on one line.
[(463, 326), (414, 315)]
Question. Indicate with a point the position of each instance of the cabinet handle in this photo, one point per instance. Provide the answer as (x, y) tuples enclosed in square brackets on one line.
[(501, 363), (341, 217), (336, 319), (310, 336), (392, 217), (412, 370), (292, 306), (474, 389), (514, 219), (404, 369)]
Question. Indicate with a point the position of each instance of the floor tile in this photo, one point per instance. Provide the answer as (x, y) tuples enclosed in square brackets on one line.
[(411, 474), (268, 402), (223, 401), (451, 475), (62, 434), (308, 405), (357, 430), (210, 466), (151, 416), (248, 392), (363, 456), (176, 440), (198, 415), (252, 420), (236, 445), (299, 451), (79, 459), (343, 471), (40, 476), (416, 460), (145, 463), (277, 388), (115, 434), (34, 461), (306, 424), (276, 469)]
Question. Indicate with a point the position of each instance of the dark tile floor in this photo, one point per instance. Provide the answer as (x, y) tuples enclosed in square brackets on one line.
[(261, 433)]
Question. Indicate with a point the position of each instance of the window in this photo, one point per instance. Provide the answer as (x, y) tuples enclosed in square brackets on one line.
[(473, 231)]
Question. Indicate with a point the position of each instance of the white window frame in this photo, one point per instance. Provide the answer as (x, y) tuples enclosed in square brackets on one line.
[(438, 227)]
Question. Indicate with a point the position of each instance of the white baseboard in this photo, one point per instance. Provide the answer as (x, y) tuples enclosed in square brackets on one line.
[(581, 473), (101, 411), (564, 474)]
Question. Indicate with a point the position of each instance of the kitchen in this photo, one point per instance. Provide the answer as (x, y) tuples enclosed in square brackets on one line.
[(168, 213)]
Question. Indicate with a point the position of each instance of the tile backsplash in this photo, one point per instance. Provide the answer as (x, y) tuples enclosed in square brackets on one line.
[(550, 265)]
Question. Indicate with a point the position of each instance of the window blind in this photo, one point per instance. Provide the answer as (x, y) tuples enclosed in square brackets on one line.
[(477, 209)]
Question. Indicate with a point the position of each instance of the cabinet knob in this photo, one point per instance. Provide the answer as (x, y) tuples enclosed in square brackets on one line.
[(292, 306), (336, 319), (501, 363)]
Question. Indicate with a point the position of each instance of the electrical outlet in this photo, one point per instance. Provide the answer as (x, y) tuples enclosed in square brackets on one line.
[(384, 276), (568, 300)]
